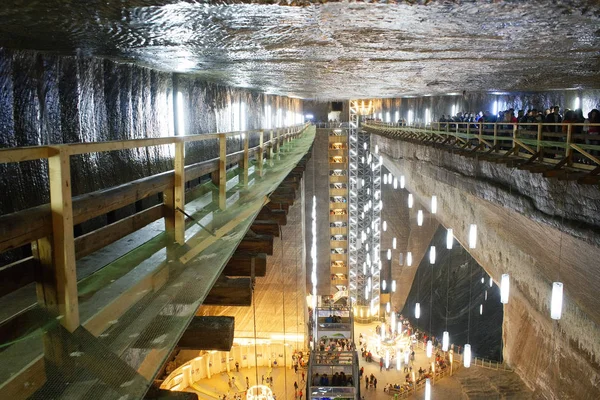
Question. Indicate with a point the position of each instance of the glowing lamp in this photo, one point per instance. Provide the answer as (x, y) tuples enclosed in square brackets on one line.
[(385, 179), (384, 226), (491, 282), (481, 309), (557, 300), (410, 200), (395, 183), (504, 288), (402, 182), (433, 204), (394, 243), (376, 149), (449, 239), (418, 310), (427, 389), (409, 258), (383, 284), (432, 255), (445, 341), (420, 217), (389, 254), (429, 348), (467, 356), (473, 236), (388, 307), (387, 359), (393, 286)]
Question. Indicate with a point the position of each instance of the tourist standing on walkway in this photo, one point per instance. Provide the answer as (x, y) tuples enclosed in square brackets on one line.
[(237, 366), (300, 394), (247, 383), (302, 376)]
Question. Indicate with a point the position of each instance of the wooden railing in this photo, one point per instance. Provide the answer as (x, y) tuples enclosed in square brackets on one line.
[(49, 228), (556, 145)]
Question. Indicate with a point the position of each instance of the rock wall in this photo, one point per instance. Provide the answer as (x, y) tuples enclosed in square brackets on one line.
[(537, 230)]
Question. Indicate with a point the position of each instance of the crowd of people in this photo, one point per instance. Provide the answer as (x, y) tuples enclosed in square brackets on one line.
[(337, 379)]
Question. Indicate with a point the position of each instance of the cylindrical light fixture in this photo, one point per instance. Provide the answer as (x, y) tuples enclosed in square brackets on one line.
[(427, 389), (433, 204), (429, 348), (420, 217), (394, 243), (445, 341), (395, 183), (449, 238), (557, 300), (385, 179), (402, 182), (409, 258), (376, 149), (472, 236), (388, 307), (393, 286), (418, 310), (410, 200), (383, 284), (481, 309), (366, 293), (432, 255), (389, 254), (504, 288), (467, 356), (491, 282)]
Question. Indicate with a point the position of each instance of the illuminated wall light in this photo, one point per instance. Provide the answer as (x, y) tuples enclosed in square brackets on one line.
[(429, 348), (366, 293), (420, 217), (383, 284), (482, 279), (409, 258), (576, 103), (410, 118), (387, 359), (384, 226), (504, 288), (467, 356), (387, 117), (427, 389), (364, 268), (410, 200), (395, 183), (398, 360), (449, 239), (557, 300), (445, 341), (393, 286), (376, 149), (397, 116), (418, 310), (432, 255), (365, 145), (491, 282), (388, 307), (389, 254), (394, 243), (385, 179), (402, 182), (472, 236), (495, 108), (433, 204), (481, 309)]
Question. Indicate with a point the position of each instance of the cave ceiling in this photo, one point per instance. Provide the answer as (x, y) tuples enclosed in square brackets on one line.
[(328, 50)]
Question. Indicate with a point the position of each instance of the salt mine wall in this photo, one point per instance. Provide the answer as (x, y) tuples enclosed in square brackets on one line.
[(450, 293), (50, 99), (537, 230)]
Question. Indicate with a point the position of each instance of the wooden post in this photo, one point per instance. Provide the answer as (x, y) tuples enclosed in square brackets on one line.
[(495, 134), (569, 149), (539, 138), (515, 144), (221, 175), (179, 193), (63, 249), (245, 160), (273, 144), (260, 154)]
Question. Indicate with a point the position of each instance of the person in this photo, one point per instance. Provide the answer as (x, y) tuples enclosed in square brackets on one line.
[(295, 385), (553, 118), (296, 368), (247, 383), (230, 383), (237, 366), (302, 376), (263, 380), (300, 394), (380, 364), (375, 383)]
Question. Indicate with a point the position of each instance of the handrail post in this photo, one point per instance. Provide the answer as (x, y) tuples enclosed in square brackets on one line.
[(539, 141), (260, 152), (219, 177), (569, 149), (57, 288), (495, 134), (179, 192), (246, 159), (514, 143)]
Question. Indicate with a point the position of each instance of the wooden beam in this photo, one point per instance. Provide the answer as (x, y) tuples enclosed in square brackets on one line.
[(230, 292), (256, 244), (179, 193), (63, 254), (240, 265), (220, 179), (261, 228), (279, 216), (208, 333), (95, 240)]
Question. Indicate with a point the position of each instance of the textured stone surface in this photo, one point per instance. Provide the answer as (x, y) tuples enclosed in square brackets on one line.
[(521, 231), (332, 50)]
